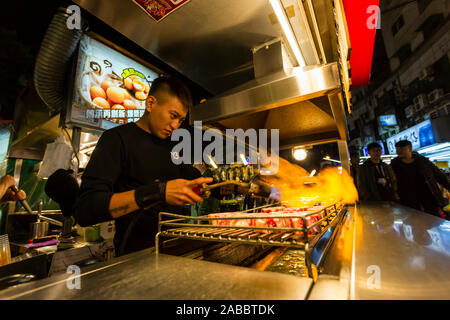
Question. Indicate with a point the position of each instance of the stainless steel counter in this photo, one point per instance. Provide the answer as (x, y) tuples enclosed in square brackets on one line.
[(388, 251), (145, 275), (382, 251)]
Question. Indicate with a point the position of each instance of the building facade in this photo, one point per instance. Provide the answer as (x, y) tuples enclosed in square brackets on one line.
[(410, 72)]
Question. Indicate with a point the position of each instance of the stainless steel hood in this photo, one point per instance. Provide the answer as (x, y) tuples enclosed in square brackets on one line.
[(302, 102), (211, 43)]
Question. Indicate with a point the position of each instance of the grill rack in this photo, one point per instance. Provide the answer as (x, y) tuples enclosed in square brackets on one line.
[(298, 238)]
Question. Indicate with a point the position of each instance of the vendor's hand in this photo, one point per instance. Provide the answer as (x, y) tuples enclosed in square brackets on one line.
[(179, 192), (7, 181), (13, 196), (7, 194)]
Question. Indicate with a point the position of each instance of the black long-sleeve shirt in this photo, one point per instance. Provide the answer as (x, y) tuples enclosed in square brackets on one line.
[(417, 182), (125, 158)]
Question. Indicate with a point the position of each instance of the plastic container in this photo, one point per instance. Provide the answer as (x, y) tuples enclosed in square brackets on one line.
[(92, 233), (5, 252)]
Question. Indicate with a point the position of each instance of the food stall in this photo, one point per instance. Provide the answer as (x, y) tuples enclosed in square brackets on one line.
[(261, 79)]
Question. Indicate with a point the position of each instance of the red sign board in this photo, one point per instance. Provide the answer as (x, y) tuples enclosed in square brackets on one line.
[(159, 9), (362, 20)]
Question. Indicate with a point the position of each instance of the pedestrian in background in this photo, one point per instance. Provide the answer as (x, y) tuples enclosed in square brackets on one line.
[(418, 179), (376, 180), (354, 160)]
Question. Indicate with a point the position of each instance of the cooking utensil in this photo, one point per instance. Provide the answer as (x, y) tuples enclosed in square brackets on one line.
[(24, 202), (205, 187), (27, 207), (39, 229)]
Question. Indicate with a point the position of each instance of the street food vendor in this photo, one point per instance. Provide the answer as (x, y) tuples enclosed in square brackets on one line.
[(6, 194), (131, 177)]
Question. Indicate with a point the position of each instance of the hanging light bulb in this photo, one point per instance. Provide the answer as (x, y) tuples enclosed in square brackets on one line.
[(299, 153)]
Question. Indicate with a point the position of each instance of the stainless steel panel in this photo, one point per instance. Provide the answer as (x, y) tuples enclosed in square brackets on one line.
[(268, 59), (32, 146), (337, 107), (302, 31), (309, 83), (389, 251), (300, 119), (309, 11), (329, 288), (207, 41), (210, 41), (343, 155), (145, 275), (323, 10), (293, 104), (410, 248)]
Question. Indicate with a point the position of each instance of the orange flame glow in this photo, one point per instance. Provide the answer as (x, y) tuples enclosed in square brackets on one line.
[(299, 189)]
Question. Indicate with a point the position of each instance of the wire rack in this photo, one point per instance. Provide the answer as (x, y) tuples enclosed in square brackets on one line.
[(200, 228)]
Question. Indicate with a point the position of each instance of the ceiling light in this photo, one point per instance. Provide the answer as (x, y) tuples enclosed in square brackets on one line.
[(299, 153)]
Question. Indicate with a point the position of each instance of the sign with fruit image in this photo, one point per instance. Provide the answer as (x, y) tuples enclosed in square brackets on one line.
[(110, 87)]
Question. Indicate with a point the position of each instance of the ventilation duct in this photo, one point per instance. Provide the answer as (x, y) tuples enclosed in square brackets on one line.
[(53, 60)]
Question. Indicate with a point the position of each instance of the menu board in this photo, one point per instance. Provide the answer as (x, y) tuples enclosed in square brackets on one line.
[(110, 88)]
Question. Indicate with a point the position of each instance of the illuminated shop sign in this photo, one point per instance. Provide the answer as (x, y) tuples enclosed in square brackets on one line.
[(110, 88), (420, 135), (388, 120)]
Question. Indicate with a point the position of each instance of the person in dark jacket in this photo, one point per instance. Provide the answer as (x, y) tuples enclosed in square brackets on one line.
[(418, 180), (354, 160), (376, 180)]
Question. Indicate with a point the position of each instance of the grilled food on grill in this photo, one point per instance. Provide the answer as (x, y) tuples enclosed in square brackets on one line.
[(293, 218)]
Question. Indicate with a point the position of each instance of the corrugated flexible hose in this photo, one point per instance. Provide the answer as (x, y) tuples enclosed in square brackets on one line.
[(53, 60)]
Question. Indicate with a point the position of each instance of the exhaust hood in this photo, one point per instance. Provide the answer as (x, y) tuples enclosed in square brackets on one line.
[(302, 102), (211, 42)]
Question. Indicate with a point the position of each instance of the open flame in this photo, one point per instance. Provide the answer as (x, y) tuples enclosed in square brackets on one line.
[(298, 188)]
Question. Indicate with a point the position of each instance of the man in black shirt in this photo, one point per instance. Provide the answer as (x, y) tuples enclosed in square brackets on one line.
[(417, 180), (131, 177), (376, 180)]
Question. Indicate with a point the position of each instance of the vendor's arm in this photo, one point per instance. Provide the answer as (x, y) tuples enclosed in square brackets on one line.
[(97, 201), (439, 176), (175, 192)]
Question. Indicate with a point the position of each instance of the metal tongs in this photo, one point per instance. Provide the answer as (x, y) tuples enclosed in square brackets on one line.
[(27, 207), (205, 189)]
